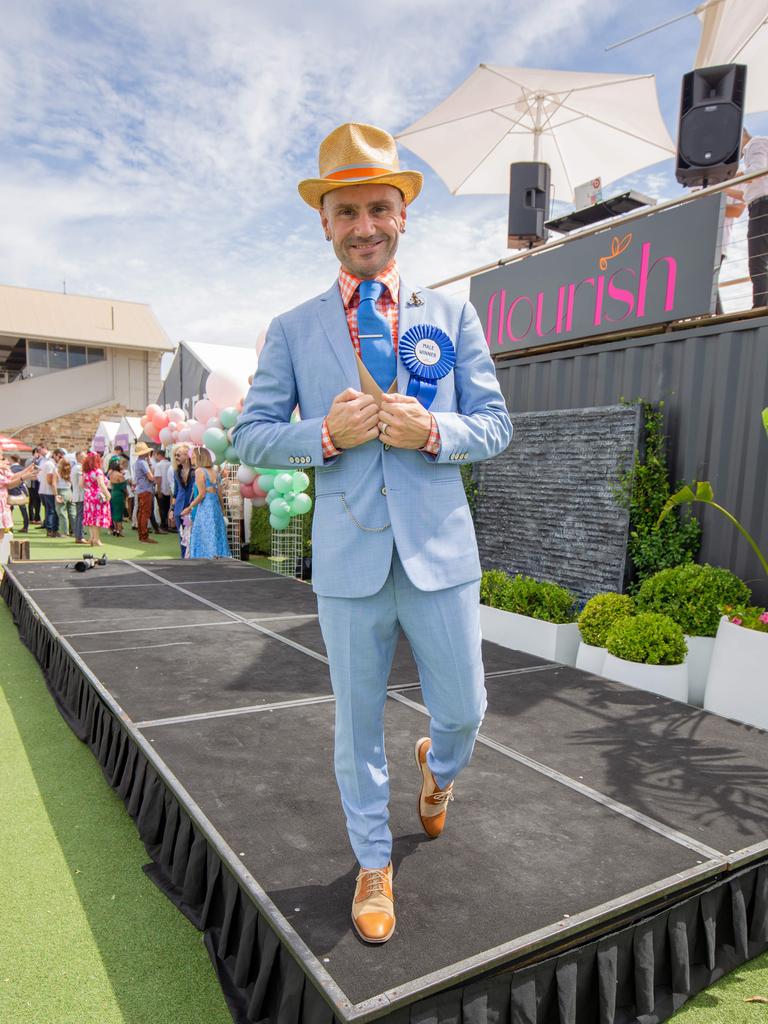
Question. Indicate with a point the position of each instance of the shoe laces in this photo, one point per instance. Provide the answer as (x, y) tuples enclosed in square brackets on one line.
[(374, 880), (441, 796)]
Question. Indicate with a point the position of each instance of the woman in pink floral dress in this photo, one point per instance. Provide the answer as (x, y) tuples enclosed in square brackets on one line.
[(96, 510)]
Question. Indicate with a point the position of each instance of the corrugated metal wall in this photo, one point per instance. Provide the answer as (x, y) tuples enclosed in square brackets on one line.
[(714, 382)]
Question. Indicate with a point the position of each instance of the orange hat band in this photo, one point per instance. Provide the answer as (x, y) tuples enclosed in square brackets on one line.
[(350, 173)]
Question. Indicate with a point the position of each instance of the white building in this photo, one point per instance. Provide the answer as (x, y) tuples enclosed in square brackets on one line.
[(69, 361)]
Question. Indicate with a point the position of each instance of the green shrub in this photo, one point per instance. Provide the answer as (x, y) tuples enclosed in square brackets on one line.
[(648, 638), (644, 491), (526, 596), (600, 613), (260, 542), (692, 595)]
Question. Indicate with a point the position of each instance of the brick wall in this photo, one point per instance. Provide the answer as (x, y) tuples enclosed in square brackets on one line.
[(75, 430)]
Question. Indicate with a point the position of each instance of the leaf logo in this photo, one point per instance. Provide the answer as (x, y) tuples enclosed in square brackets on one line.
[(618, 246)]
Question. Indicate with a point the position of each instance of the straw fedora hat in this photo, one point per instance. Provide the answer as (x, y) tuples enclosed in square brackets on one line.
[(358, 154), (142, 449)]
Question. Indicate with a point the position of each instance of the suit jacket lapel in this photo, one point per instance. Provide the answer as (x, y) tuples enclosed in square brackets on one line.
[(330, 310), (410, 314)]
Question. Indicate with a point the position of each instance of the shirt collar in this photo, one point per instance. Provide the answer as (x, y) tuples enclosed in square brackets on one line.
[(389, 277)]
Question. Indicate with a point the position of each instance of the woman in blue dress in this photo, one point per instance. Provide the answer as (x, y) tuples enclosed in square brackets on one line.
[(209, 531), (183, 490)]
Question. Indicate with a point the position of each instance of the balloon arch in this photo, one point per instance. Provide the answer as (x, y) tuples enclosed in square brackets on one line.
[(211, 423)]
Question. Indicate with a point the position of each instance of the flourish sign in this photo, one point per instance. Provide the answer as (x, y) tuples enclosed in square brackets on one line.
[(663, 269)]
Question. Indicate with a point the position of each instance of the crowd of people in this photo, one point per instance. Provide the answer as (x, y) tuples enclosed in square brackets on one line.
[(77, 495)]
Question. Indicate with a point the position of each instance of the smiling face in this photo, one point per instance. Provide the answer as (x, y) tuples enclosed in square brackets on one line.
[(364, 222)]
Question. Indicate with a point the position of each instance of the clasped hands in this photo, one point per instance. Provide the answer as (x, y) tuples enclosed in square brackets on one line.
[(355, 417)]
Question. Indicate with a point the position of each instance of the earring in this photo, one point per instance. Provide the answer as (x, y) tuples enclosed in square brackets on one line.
[(402, 229)]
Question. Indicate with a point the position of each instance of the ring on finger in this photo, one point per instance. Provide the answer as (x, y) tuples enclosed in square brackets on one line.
[(384, 428)]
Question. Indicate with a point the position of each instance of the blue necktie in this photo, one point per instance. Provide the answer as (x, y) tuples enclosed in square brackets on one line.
[(376, 349)]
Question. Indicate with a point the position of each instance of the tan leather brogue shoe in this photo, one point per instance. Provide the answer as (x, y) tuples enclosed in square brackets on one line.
[(373, 908), (433, 801)]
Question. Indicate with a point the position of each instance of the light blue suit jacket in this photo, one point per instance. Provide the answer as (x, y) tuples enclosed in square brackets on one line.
[(372, 496)]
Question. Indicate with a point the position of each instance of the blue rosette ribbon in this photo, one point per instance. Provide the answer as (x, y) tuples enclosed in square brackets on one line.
[(428, 355)]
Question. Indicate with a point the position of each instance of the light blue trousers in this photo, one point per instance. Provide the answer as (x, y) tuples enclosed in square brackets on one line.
[(360, 635)]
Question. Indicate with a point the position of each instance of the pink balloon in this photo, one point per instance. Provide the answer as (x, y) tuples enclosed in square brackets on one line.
[(176, 415), (152, 410), (204, 410), (224, 388), (196, 431), (160, 420), (258, 502), (165, 435), (144, 420), (257, 491), (245, 491), (151, 431), (185, 434)]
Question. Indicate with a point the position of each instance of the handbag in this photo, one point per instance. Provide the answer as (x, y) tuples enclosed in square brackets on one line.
[(18, 499)]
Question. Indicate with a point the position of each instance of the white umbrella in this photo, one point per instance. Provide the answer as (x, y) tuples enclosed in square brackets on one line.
[(736, 32), (582, 124)]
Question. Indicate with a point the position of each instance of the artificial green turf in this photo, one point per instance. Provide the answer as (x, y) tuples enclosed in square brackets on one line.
[(85, 937), (46, 548)]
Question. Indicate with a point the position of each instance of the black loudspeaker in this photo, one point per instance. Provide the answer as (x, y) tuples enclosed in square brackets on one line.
[(709, 133), (528, 205)]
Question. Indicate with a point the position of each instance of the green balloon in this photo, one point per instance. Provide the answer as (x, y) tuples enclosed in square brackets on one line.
[(228, 417), (283, 482), (266, 481), (266, 472), (301, 503), (215, 439), (230, 455), (300, 481), (278, 522), (280, 507), (271, 494)]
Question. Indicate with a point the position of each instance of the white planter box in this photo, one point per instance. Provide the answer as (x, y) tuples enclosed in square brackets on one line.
[(737, 685), (666, 680), (697, 659), (522, 633), (590, 658)]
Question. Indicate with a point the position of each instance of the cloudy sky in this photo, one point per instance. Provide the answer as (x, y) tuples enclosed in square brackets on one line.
[(150, 150)]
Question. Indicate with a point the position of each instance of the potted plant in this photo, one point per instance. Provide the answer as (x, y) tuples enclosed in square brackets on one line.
[(693, 595), (598, 615), (529, 615), (648, 651), (737, 686)]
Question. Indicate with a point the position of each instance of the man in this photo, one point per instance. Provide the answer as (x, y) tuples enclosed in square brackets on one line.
[(77, 495), (393, 543), (163, 472), (47, 489), (33, 486), (144, 489), (754, 151)]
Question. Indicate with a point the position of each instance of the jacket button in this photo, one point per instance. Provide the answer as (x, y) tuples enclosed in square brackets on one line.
[(291, 458), (383, 490), (387, 447)]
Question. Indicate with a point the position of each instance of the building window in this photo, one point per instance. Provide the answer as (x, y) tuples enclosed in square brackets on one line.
[(37, 354), (77, 355), (45, 357)]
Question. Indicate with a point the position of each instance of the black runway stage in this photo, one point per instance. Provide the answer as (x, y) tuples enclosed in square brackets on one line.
[(606, 856)]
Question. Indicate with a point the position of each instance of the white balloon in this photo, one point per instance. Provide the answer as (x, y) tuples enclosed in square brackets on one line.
[(214, 421), (225, 388), (245, 475), (176, 415)]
